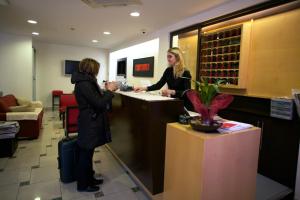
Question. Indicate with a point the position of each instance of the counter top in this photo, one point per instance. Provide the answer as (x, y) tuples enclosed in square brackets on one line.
[(147, 96), (201, 135)]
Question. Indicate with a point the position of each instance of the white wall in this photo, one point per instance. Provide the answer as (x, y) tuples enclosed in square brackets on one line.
[(164, 39), (50, 68), (16, 65), (146, 49)]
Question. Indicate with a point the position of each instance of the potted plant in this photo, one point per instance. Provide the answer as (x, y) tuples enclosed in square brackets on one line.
[(207, 101)]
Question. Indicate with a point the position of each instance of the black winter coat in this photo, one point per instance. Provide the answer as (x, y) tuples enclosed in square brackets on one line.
[(93, 103), (180, 84)]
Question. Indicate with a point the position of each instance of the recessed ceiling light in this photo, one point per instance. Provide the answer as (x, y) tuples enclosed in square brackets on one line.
[(135, 14), (95, 41), (35, 33), (30, 21), (106, 33)]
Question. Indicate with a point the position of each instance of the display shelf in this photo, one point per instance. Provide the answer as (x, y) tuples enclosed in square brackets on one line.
[(220, 46), (220, 77), (229, 61), (219, 69), (220, 43), (221, 39), (220, 55)]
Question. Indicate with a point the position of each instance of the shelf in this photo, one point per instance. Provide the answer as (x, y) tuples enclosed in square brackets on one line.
[(221, 77), (219, 54), (220, 58), (230, 45), (221, 61), (231, 86), (226, 38), (237, 69), (223, 30)]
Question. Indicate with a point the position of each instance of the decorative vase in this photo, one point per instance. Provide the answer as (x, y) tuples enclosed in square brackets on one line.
[(199, 125)]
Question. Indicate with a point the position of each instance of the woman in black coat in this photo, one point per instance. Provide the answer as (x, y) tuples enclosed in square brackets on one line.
[(93, 124)]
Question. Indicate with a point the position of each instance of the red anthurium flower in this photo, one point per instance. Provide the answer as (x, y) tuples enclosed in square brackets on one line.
[(219, 102)]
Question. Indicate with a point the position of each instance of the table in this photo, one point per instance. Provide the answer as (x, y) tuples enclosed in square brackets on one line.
[(210, 166)]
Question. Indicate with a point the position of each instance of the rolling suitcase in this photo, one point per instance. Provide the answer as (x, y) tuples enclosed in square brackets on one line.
[(67, 159)]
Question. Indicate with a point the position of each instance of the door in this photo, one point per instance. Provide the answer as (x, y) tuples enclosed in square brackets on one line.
[(33, 74)]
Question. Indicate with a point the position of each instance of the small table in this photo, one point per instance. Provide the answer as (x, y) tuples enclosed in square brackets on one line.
[(210, 166)]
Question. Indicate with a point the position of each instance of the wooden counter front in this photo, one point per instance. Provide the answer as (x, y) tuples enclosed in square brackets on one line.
[(202, 166), (138, 126)]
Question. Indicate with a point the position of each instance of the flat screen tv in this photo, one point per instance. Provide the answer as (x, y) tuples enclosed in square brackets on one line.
[(71, 66), (121, 67)]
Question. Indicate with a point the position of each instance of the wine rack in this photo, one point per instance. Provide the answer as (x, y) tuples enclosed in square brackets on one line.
[(220, 55)]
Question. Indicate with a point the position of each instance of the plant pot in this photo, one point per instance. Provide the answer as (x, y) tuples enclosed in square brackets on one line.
[(198, 125)]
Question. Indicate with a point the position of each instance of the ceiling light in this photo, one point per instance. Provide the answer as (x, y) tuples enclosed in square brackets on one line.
[(106, 33), (135, 14), (95, 41), (30, 21), (35, 33)]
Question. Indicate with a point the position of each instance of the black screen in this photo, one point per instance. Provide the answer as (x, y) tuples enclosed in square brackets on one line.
[(121, 67), (71, 66)]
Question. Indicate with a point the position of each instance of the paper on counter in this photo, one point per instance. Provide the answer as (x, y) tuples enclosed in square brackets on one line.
[(193, 114), (145, 96), (232, 126)]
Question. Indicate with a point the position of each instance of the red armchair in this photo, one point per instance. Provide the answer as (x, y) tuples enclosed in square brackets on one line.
[(64, 101), (72, 113), (30, 122), (55, 94)]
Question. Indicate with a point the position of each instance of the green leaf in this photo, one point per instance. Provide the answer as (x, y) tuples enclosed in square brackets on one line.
[(208, 91)]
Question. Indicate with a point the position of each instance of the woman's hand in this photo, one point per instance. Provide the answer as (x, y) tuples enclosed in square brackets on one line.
[(111, 86), (167, 92), (139, 89)]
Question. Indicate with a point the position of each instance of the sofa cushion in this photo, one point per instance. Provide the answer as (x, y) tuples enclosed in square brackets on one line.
[(3, 107), (23, 108), (36, 104), (10, 100), (16, 116), (22, 102)]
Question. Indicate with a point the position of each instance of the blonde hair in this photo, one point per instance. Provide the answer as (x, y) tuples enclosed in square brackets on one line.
[(179, 65), (89, 66)]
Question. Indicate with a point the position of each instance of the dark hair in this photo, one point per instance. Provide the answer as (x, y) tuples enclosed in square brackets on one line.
[(89, 66)]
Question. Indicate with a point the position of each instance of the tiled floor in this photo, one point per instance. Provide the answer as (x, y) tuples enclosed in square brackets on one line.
[(32, 174)]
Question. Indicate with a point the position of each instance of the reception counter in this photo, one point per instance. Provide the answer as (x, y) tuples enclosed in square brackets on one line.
[(138, 125)]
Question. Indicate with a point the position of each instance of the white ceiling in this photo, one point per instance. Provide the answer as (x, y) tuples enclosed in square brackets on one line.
[(56, 17)]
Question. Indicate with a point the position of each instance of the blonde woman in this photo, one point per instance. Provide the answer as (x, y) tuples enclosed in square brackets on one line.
[(177, 77)]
